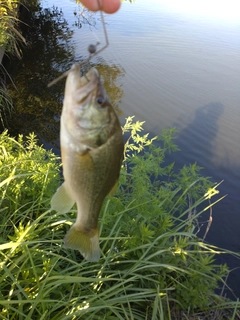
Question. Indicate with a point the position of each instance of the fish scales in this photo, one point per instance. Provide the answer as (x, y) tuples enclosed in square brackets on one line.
[(92, 149)]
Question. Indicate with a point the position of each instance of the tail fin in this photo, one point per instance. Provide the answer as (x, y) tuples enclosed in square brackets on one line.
[(87, 244)]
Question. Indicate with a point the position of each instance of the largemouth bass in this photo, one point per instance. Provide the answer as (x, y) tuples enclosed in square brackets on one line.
[(91, 149)]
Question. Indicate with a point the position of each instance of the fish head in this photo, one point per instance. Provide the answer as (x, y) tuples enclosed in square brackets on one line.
[(87, 111)]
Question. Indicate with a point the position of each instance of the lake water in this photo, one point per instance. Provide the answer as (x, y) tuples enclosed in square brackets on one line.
[(169, 64)]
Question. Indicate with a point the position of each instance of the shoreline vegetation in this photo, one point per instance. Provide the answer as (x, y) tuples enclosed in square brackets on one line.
[(154, 264), (10, 35), (10, 40)]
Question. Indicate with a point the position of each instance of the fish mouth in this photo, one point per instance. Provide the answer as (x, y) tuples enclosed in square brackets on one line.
[(91, 77), (85, 89)]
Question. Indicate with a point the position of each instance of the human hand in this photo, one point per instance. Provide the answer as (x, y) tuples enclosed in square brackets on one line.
[(108, 6)]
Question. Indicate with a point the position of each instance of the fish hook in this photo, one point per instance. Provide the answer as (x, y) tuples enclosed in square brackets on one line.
[(92, 49)]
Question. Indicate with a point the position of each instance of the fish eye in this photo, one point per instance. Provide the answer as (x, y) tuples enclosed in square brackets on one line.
[(100, 100)]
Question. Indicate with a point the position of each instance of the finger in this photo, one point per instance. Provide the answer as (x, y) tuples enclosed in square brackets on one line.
[(109, 6)]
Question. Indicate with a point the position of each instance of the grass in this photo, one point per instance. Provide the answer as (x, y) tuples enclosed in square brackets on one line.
[(6, 105), (10, 35), (10, 38), (152, 266)]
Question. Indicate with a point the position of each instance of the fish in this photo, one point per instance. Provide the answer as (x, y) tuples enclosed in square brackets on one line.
[(92, 151)]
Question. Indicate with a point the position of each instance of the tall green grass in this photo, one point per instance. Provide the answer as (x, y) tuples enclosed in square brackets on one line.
[(10, 36), (9, 39), (6, 105), (152, 266)]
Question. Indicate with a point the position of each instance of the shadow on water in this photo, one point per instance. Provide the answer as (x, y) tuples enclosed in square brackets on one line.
[(196, 143), (197, 139), (49, 53)]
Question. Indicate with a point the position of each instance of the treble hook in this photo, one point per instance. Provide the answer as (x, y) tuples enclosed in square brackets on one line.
[(92, 49)]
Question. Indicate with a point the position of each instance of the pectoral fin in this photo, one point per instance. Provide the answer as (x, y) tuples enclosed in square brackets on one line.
[(61, 201)]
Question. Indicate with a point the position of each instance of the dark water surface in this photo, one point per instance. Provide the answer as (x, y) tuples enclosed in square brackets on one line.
[(167, 64)]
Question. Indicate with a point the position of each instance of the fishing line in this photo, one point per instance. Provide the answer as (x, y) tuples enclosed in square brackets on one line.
[(92, 49)]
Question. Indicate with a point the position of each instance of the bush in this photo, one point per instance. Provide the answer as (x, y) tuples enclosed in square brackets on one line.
[(152, 265)]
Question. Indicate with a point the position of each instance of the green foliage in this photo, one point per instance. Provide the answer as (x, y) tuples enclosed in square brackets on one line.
[(152, 264), (28, 173), (135, 142), (10, 35), (6, 106)]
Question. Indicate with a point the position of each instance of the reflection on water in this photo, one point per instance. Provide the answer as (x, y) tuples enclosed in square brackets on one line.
[(110, 76), (38, 108)]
